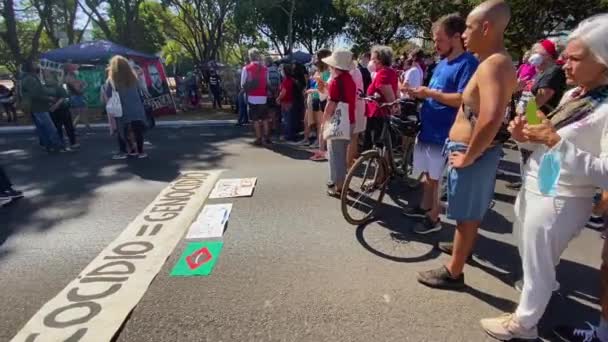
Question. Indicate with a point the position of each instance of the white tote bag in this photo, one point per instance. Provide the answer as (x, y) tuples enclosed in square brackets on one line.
[(338, 126), (114, 106)]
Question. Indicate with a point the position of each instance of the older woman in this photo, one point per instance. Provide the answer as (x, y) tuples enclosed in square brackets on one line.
[(569, 160), (385, 84)]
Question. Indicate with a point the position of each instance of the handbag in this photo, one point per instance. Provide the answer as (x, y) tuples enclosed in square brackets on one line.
[(338, 126), (114, 106)]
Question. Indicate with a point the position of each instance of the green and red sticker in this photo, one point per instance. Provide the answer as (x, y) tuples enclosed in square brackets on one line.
[(198, 259)]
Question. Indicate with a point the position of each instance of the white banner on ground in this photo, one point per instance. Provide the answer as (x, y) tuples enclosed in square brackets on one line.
[(94, 305), (233, 187), (210, 222)]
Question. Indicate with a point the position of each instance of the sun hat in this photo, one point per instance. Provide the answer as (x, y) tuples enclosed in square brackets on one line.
[(550, 47), (340, 59)]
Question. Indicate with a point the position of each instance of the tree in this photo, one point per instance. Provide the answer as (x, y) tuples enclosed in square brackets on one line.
[(318, 22), (117, 19), (199, 26), (61, 21)]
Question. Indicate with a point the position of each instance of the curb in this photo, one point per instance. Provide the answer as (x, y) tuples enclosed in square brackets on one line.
[(163, 124)]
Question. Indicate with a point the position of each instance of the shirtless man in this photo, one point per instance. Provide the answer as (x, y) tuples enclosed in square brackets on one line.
[(474, 151)]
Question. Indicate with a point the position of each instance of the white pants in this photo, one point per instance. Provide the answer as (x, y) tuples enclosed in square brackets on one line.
[(544, 226)]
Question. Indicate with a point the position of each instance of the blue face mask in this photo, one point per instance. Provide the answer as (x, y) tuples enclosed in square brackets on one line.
[(548, 173)]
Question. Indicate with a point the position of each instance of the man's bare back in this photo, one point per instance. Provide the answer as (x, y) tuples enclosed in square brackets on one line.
[(498, 75)]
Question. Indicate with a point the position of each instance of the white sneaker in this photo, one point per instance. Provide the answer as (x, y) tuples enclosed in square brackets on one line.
[(506, 328)]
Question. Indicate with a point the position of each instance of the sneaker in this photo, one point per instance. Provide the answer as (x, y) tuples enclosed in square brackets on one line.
[(570, 334), (506, 328), (5, 201), (441, 278), (416, 212), (303, 142), (119, 156), (427, 226), (76, 145), (448, 247), (595, 222), (11, 193), (142, 156), (519, 285), (315, 144), (514, 185)]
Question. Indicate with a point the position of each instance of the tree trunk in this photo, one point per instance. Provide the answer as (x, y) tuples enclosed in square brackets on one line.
[(290, 27)]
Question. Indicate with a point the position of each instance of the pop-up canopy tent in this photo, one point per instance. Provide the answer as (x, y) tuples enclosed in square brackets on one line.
[(298, 57), (96, 54)]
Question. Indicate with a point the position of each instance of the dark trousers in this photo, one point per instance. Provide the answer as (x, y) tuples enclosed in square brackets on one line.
[(243, 117), (137, 127), (5, 183), (217, 96), (373, 132), (62, 118)]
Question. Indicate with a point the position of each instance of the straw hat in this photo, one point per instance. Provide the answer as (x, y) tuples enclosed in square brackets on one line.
[(340, 59)]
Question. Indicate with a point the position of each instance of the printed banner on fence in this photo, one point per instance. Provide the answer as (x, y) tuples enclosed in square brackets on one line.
[(93, 306), (210, 222), (153, 80), (235, 187)]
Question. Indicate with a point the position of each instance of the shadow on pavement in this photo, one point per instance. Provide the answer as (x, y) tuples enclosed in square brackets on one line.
[(293, 152), (69, 180)]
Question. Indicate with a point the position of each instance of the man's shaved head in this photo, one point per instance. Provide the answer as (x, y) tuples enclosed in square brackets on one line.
[(495, 12), (486, 26)]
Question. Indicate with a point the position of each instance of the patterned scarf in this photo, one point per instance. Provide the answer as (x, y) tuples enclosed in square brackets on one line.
[(578, 107)]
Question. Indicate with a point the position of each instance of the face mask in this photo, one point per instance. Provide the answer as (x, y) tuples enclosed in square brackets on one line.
[(536, 59), (371, 67), (548, 173)]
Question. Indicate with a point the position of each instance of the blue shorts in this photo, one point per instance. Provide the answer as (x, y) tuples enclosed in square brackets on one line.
[(77, 101), (471, 189)]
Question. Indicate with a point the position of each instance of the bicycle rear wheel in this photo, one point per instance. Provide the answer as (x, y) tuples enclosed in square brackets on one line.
[(364, 188)]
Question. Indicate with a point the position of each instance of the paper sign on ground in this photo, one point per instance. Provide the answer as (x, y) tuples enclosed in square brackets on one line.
[(198, 259), (210, 222), (233, 187)]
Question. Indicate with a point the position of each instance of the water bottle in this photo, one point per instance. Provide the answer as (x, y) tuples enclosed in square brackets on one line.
[(531, 109)]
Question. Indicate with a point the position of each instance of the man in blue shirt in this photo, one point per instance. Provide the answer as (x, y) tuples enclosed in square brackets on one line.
[(442, 98)]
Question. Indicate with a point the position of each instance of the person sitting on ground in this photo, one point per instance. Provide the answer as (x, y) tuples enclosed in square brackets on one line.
[(341, 88), (442, 98), (568, 161), (475, 144)]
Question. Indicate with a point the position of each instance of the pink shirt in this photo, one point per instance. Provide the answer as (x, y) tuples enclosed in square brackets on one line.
[(526, 72)]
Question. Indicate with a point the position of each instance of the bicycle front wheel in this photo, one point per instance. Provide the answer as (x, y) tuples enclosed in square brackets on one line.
[(364, 188)]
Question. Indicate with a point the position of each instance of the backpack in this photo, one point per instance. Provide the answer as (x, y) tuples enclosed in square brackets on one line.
[(274, 81), (253, 81)]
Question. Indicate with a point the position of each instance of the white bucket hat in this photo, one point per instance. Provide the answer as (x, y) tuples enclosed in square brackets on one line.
[(340, 59)]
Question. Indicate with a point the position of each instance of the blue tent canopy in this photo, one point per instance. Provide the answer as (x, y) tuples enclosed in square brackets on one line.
[(99, 51)]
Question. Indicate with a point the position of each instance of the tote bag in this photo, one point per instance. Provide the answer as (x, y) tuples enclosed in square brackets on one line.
[(338, 126), (114, 106)]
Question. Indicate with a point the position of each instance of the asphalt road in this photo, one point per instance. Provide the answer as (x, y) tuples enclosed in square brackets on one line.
[(291, 269)]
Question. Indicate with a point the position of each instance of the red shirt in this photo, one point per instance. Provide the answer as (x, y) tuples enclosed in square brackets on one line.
[(287, 85), (343, 89), (384, 76)]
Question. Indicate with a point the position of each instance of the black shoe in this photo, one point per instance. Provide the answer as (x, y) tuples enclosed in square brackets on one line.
[(11, 194), (444, 198), (595, 222), (570, 334), (416, 212), (514, 185), (448, 247), (441, 279), (427, 226)]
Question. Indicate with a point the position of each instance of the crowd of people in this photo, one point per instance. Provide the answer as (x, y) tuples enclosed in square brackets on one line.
[(473, 101)]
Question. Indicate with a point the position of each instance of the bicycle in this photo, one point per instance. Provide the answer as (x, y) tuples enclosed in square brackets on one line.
[(368, 178)]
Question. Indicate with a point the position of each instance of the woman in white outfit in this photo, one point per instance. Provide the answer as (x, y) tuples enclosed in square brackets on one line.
[(569, 161)]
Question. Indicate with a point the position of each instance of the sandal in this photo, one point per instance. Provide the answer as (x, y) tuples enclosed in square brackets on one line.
[(319, 156), (334, 193)]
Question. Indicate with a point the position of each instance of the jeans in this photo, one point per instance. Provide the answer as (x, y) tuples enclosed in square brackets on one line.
[(289, 131), (5, 183), (243, 117), (47, 132)]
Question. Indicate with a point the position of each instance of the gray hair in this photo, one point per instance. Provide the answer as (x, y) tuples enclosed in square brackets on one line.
[(384, 53), (254, 55)]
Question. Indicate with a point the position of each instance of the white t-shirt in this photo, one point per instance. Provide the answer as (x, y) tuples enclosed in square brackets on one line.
[(360, 103), (413, 77)]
